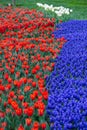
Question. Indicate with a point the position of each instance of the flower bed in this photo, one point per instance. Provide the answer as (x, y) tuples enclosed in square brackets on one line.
[(27, 48), (67, 86), (72, 30), (59, 11)]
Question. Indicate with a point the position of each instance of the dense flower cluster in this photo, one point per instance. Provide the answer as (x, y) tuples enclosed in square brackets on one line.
[(67, 84), (72, 30), (59, 11), (26, 49)]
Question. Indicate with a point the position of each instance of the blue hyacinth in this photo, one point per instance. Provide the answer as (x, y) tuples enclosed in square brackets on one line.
[(67, 84)]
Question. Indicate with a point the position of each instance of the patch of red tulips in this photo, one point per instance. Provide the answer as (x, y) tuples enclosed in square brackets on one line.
[(26, 47)]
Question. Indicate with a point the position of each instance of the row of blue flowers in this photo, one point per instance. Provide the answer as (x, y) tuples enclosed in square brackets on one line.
[(67, 84)]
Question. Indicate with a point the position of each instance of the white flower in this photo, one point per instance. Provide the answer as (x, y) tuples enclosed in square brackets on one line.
[(58, 13), (58, 10), (52, 10), (39, 4), (9, 4), (70, 10)]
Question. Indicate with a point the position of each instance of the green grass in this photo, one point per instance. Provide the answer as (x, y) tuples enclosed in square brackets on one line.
[(79, 6)]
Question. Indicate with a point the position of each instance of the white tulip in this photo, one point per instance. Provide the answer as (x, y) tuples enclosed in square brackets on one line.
[(58, 10), (70, 10), (39, 4)]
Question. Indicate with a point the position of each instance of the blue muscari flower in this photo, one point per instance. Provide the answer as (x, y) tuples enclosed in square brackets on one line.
[(67, 84)]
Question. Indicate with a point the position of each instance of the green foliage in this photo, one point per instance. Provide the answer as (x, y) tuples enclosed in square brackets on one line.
[(79, 6)]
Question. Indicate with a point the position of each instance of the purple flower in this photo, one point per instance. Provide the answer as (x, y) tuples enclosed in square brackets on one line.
[(67, 84)]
